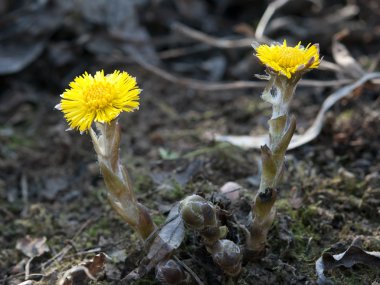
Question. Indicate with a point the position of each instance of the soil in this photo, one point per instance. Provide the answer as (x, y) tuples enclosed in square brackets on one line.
[(50, 184)]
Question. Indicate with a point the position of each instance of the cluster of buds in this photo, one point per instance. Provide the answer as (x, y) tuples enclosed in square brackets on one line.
[(200, 215)]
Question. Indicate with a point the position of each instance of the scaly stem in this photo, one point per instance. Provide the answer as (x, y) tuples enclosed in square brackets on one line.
[(119, 187), (279, 92)]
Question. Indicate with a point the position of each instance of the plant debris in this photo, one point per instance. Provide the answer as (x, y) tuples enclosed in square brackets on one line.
[(353, 255), (32, 247), (196, 67)]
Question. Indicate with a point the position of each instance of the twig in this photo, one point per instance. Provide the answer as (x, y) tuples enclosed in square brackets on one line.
[(59, 256), (229, 44), (312, 132), (27, 268), (178, 52), (212, 41), (188, 269), (75, 269), (232, 43), (209, 86), (56, 258), (271, 9)]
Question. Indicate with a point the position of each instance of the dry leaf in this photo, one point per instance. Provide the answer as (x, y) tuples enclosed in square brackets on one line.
[(84, 272), (168, 239), (32, 247), (344, 59), (350, 257)]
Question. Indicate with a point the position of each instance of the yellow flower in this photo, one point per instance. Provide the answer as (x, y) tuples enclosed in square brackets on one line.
[(289, 60), (99, 98)]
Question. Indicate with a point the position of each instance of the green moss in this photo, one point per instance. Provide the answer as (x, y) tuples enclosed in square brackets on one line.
[(174, 191), (101, 227), (305, 232), (358, 274), (344, 117), (205, 187), (220, 149), (142, 182), (158, 219)]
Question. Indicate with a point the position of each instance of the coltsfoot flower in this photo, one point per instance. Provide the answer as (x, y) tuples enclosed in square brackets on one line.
[(100, 98), (285, 67), (286, 60)]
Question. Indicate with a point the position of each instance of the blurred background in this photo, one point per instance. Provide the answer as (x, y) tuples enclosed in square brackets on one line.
[(194, 61)]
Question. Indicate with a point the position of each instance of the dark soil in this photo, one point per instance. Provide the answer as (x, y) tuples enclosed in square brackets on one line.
[(50, 184)]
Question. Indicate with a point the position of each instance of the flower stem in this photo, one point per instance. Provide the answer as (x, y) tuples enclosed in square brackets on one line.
[(281, 129), (118, 183)]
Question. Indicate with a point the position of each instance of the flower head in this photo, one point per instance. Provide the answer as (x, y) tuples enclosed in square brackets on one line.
[(100, 98), (288, 60)]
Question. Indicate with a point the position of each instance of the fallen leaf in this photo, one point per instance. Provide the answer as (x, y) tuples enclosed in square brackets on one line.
[(350, 257), (14, 58), (344, 59), (24, 34), (168, 239), (32, 247), (84, 272)]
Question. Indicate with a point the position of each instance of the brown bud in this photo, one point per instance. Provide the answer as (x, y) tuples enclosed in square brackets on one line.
[(228, 256), (197, 213), (169, 272)]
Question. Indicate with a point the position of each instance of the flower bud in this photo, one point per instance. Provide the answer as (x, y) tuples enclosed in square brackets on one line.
[(228, 256), (197, 213), (169, 272)]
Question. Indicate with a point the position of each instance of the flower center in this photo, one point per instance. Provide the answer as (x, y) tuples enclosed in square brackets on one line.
[(289, 57), (98, 95)]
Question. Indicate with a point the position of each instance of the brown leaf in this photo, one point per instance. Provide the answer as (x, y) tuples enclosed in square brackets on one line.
[(96, 265), (350, 257), (168, 239), (85, 271), (32, 247), (24, 34), (344, 59)]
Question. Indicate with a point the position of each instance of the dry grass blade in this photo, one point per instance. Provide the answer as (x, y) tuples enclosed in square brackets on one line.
[(346, 61), (312, 132), (271, 9), (212, 41)]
